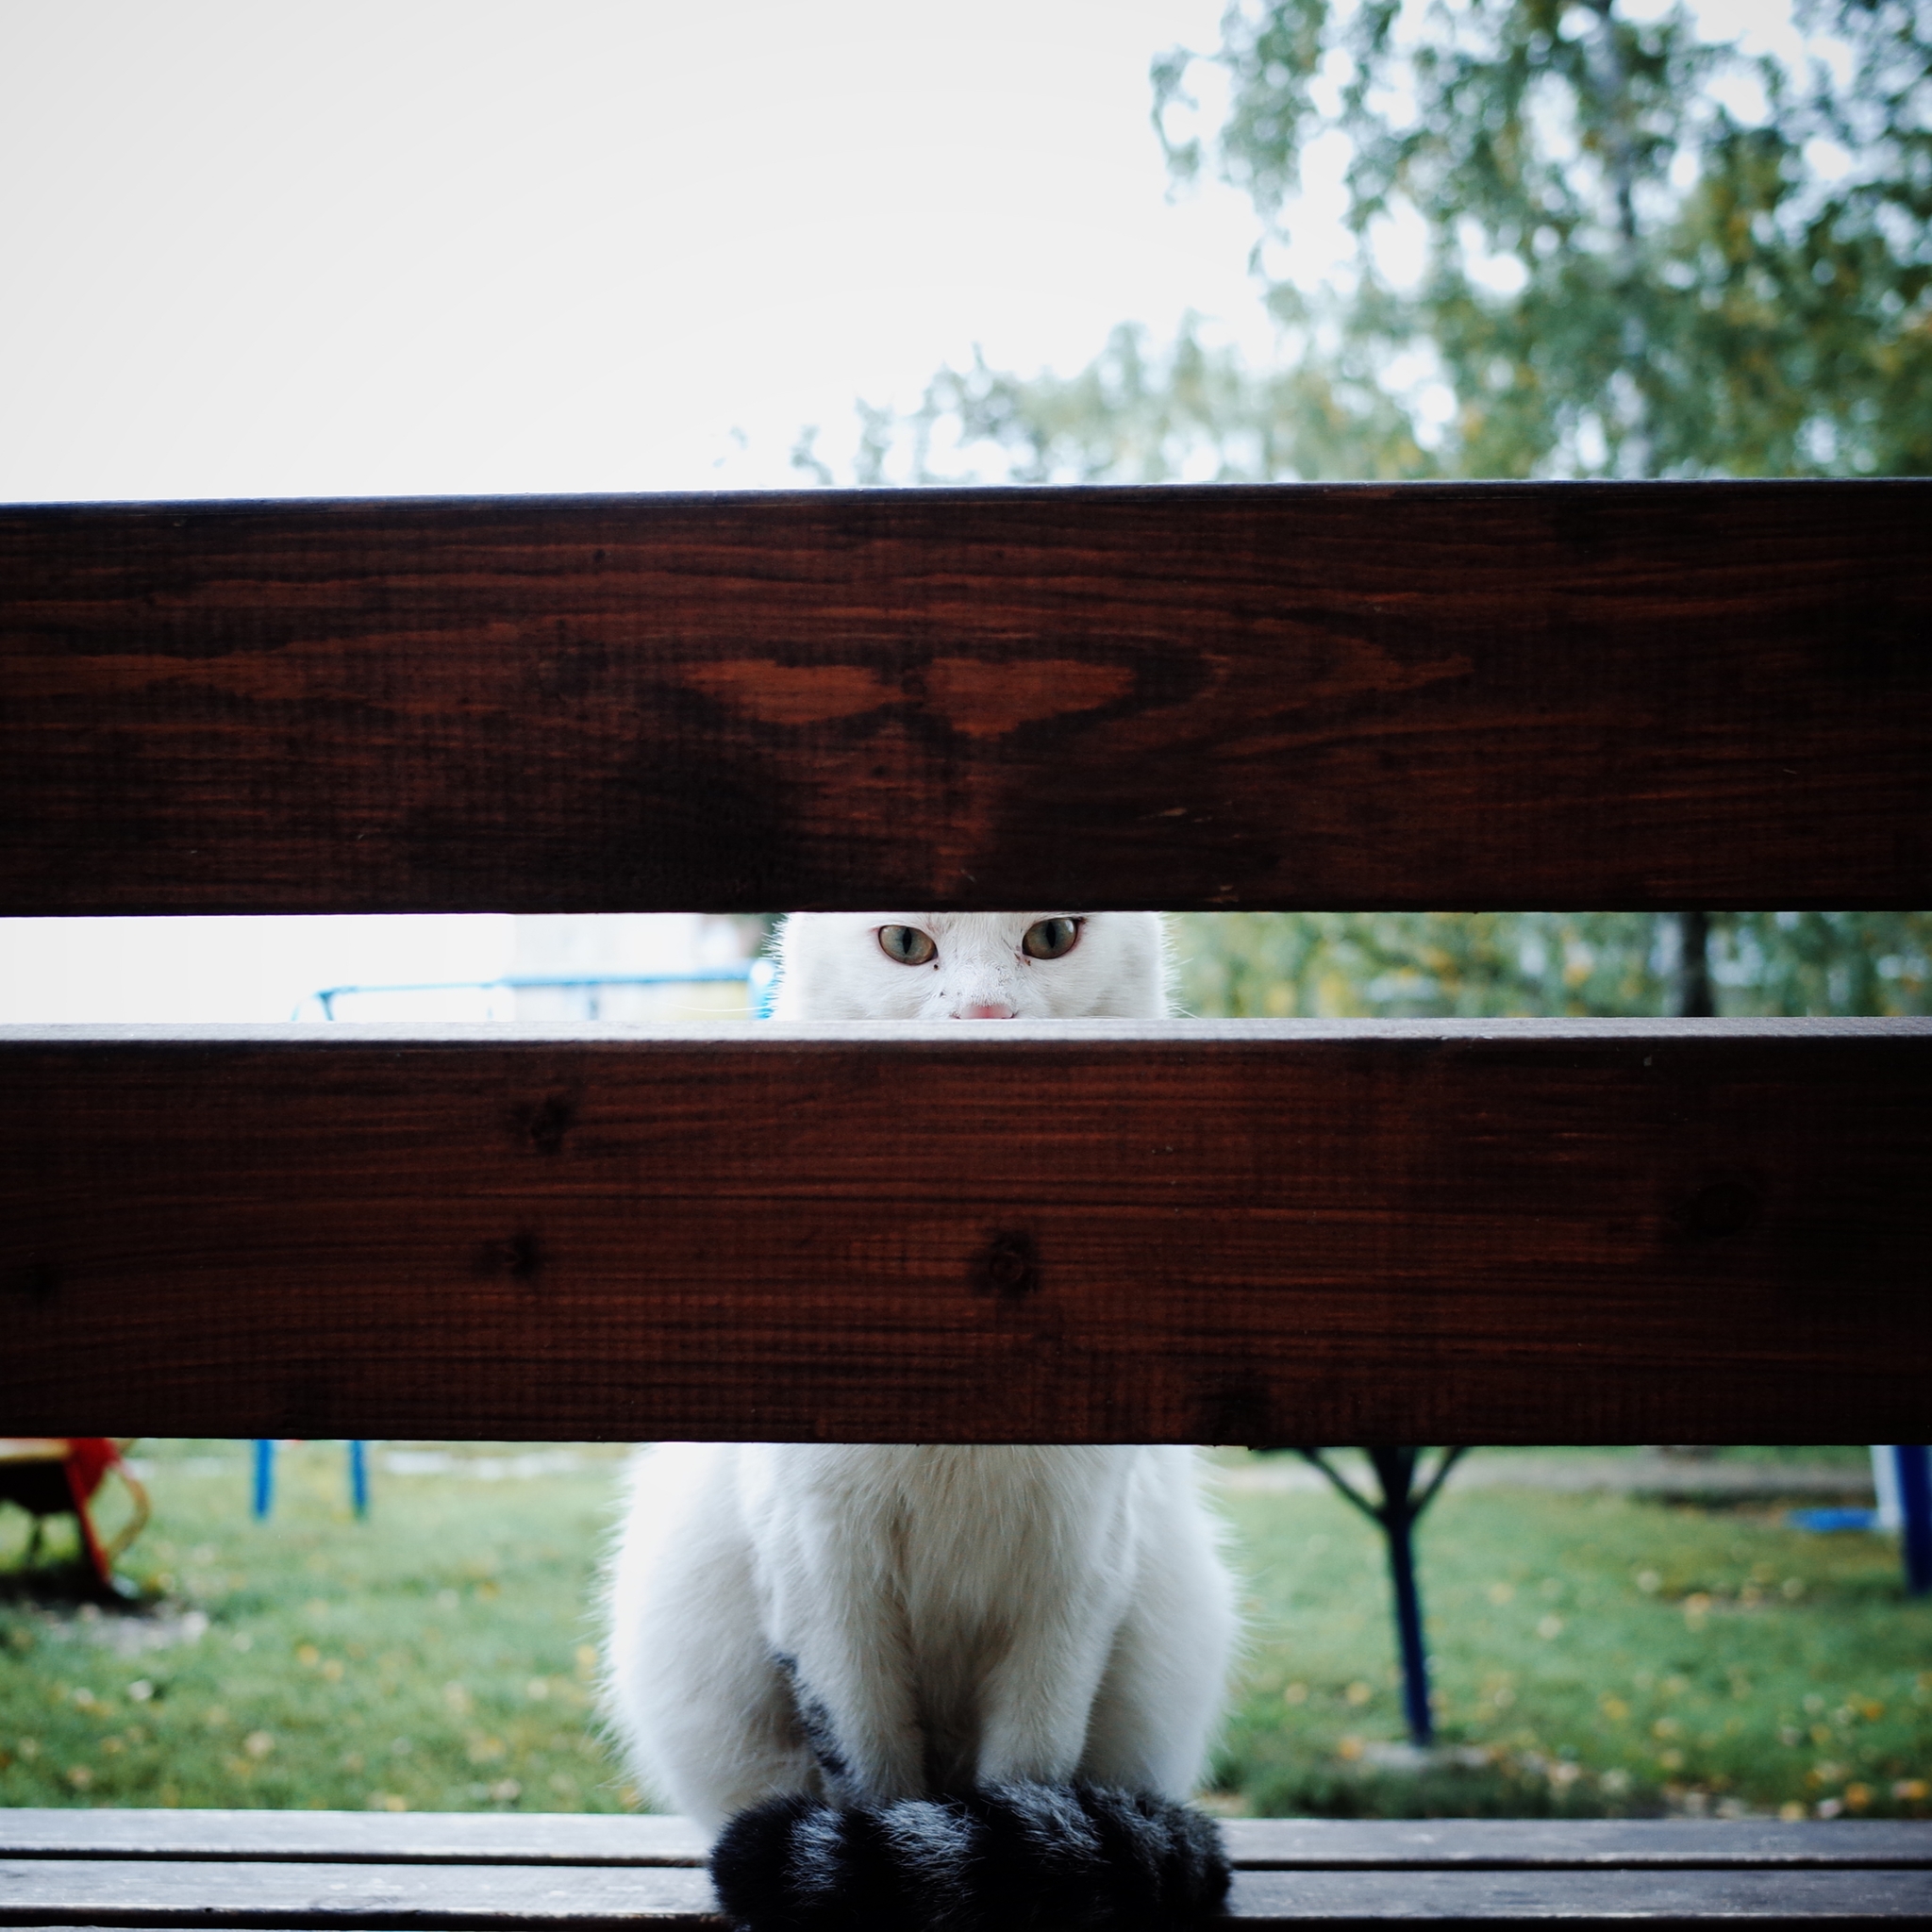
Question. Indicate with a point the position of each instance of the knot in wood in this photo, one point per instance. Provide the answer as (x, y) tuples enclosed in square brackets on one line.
[(545, 1123), (1721, 1208), (1007, 1266)]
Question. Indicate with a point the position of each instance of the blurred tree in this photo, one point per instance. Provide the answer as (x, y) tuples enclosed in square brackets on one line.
[(1398, 965), (1142, 414), (1631, 252), (1644, 254)]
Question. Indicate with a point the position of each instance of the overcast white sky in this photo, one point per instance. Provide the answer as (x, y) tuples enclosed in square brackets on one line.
[(283, 248), (299, 249), (278, 247)]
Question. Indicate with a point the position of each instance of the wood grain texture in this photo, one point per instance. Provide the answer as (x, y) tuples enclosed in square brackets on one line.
[(1577, 1899), (473, 1898), (1247, 1232), (1253, 1843), (1493, 695), (411, 1838), (115, 1892), (1592, 1844)]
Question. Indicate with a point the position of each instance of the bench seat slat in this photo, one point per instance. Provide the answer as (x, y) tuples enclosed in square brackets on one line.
[(1520, 1843), (473, 1898), (1324, 697), (260, 1892), (1253, 1843), (433, 1837), (1239, 1232), (1576, 1899)]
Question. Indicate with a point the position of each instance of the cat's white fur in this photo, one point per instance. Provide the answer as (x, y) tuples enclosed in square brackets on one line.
[(873, 1623)]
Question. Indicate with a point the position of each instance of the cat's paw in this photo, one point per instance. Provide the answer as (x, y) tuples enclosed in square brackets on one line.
[(1013, 1858)]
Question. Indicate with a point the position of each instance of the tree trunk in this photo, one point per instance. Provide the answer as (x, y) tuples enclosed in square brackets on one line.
[(1690, 983)]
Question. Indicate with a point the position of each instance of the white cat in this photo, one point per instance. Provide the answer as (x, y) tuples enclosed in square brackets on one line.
[(971, 966), (966, 1675)]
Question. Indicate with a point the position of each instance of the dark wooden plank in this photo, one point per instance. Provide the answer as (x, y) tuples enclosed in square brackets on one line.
[(1476, 695), (460, 1898), (1258, 1231), (1253, 1843)]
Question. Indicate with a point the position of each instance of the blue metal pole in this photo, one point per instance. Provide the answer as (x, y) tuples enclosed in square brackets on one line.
[(358, 1477), (264, 1477), (1396, 1469), (1915, 1511)]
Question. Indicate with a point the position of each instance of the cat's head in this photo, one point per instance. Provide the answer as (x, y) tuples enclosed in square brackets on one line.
[(971, 966)]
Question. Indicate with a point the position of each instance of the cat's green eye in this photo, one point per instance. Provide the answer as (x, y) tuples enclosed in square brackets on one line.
[(907, 944), (1051, 938)]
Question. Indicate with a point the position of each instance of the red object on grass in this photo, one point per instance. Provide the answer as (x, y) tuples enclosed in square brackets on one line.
[(58, 1475)]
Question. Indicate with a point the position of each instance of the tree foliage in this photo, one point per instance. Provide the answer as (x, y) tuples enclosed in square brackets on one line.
[(1397, 965), (1632, 251), (1644, 254), (1142, 413)]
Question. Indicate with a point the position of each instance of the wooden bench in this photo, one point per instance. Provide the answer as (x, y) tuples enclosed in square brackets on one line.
[(563, 1874), (1713, 695)]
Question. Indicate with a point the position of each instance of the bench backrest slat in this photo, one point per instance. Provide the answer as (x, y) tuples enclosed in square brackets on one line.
[(1556, 695), (1240, 1232)]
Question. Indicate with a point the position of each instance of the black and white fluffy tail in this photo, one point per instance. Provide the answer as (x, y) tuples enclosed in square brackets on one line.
[(1009, 1859)]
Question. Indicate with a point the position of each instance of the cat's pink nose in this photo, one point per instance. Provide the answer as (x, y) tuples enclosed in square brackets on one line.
[(984, 1009)]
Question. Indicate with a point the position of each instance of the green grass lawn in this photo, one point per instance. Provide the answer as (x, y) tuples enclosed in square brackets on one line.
[(438, 1657), (1593, 1653)]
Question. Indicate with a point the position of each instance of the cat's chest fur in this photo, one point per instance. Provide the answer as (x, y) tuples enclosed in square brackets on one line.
[(955, 1535), (960, 1546)]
